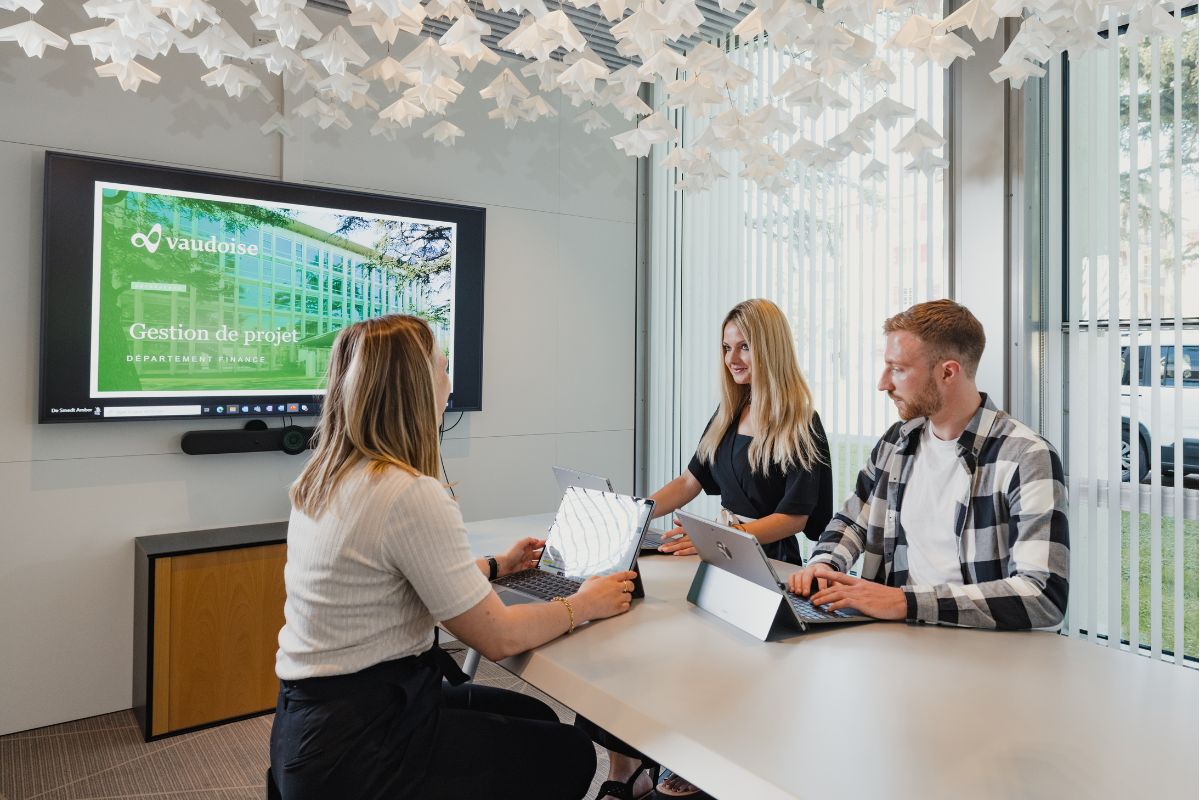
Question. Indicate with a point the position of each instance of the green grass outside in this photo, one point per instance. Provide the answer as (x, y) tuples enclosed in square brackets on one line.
[(1191, 597), (848, 459)]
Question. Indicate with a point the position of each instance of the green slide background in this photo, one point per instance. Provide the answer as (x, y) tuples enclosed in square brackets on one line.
[(312, 276)]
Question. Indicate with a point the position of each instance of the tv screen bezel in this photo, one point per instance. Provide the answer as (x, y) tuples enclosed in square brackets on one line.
[(67, 243)]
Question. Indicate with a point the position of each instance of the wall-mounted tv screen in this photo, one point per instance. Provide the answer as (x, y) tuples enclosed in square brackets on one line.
[(171, 293)]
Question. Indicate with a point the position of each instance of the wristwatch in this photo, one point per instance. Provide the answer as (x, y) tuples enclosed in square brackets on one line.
[(493, 567)]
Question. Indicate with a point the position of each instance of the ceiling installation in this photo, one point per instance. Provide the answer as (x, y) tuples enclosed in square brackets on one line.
[(598, 54)]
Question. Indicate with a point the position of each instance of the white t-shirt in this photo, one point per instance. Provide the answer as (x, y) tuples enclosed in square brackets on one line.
[(938, 484), (367, 580)]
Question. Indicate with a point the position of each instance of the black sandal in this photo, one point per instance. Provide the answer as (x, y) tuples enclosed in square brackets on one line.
[(624, 790)]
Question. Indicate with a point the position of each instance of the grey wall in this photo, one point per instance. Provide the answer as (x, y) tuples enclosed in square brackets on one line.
[(558, 342)]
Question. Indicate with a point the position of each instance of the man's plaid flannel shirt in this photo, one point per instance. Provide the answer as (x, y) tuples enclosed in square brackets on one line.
[(1012, 529)]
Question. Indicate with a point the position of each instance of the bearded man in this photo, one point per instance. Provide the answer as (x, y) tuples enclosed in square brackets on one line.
[(960, 514)]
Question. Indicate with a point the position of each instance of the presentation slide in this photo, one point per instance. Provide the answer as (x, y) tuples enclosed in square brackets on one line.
[(203, 295)]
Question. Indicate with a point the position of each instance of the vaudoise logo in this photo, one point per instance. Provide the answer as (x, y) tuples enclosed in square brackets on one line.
[(151, 241)]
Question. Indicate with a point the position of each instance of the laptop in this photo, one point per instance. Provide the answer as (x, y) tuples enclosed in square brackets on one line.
[(593, 533), (741, 554), (568, 477)]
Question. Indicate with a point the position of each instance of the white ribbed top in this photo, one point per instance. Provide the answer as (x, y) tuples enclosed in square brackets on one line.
[(368, 579)]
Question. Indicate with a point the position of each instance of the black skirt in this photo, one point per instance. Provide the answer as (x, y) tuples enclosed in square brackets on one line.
[(359, 736)]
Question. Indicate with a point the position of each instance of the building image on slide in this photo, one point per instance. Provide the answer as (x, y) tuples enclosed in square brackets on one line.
[(198, 294)]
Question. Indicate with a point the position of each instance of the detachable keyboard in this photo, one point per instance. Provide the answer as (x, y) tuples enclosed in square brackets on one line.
[(652, 540), (540, 584), (811, 613)]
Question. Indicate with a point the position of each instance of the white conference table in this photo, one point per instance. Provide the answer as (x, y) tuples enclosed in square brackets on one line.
[(883, 709)]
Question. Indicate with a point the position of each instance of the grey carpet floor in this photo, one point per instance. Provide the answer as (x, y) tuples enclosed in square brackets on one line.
[(105, 758)]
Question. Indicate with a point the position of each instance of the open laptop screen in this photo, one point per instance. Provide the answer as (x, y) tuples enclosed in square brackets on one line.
[(595, 533)]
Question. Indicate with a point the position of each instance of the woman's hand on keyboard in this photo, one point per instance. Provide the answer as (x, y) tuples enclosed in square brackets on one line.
[(604, 596), (676, 542), (522, 555)]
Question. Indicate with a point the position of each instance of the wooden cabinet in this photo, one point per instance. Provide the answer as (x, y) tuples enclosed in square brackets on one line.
[(208, 609)]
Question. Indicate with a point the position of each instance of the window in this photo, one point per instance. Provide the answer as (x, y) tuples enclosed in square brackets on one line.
[(837, 252), (1130, 298)]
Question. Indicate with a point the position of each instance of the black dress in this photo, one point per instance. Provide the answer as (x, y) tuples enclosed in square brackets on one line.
[(798, 491)]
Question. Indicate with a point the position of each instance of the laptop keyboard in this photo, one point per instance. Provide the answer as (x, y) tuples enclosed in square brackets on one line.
[(540, 584), (808, 611), (652, 540)]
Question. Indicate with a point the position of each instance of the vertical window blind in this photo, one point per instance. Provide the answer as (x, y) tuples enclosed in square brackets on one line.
[(837, 253), (1125, 366)]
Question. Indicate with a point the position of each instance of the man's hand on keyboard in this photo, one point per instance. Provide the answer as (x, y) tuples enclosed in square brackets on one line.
[(867, 597)]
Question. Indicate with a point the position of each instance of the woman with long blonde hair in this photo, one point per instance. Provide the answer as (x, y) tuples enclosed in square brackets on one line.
[(377, 554), (765, 453)]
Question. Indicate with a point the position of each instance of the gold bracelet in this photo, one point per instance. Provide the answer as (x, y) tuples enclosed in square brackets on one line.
[(570, 612)]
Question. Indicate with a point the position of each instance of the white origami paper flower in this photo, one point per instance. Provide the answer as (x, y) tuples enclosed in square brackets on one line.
[(717, 67), (343, 87), (681, 17), (769, 120), (920, 36), (592, 121), (880, 72), (212, 46), (695, 94), (464, 38), (536, 107), (803, 150), (525, 24), (544, 36), (926, 162), (449, 9), (391, 72), (234, 80), (484, 56), (816, 98), (630, 106), (402, 112), (655, 129), (536, 8), (887, 111), (336, 50), (643, 30), (1016, 73), (436, 96), (290, 26), (107, 43), (278, 58), (612, 10), (276, 123), (874, 171), (546, 72), (851, 140), (430, 61), (130, 74), (510, 115), (385, 128), (410, 19), (445, 132), (663, 62), (582, 75), (920, 138), (563, 30), (32, 38), (977, 15), (186, 13), (296, 82), (505, 88)]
